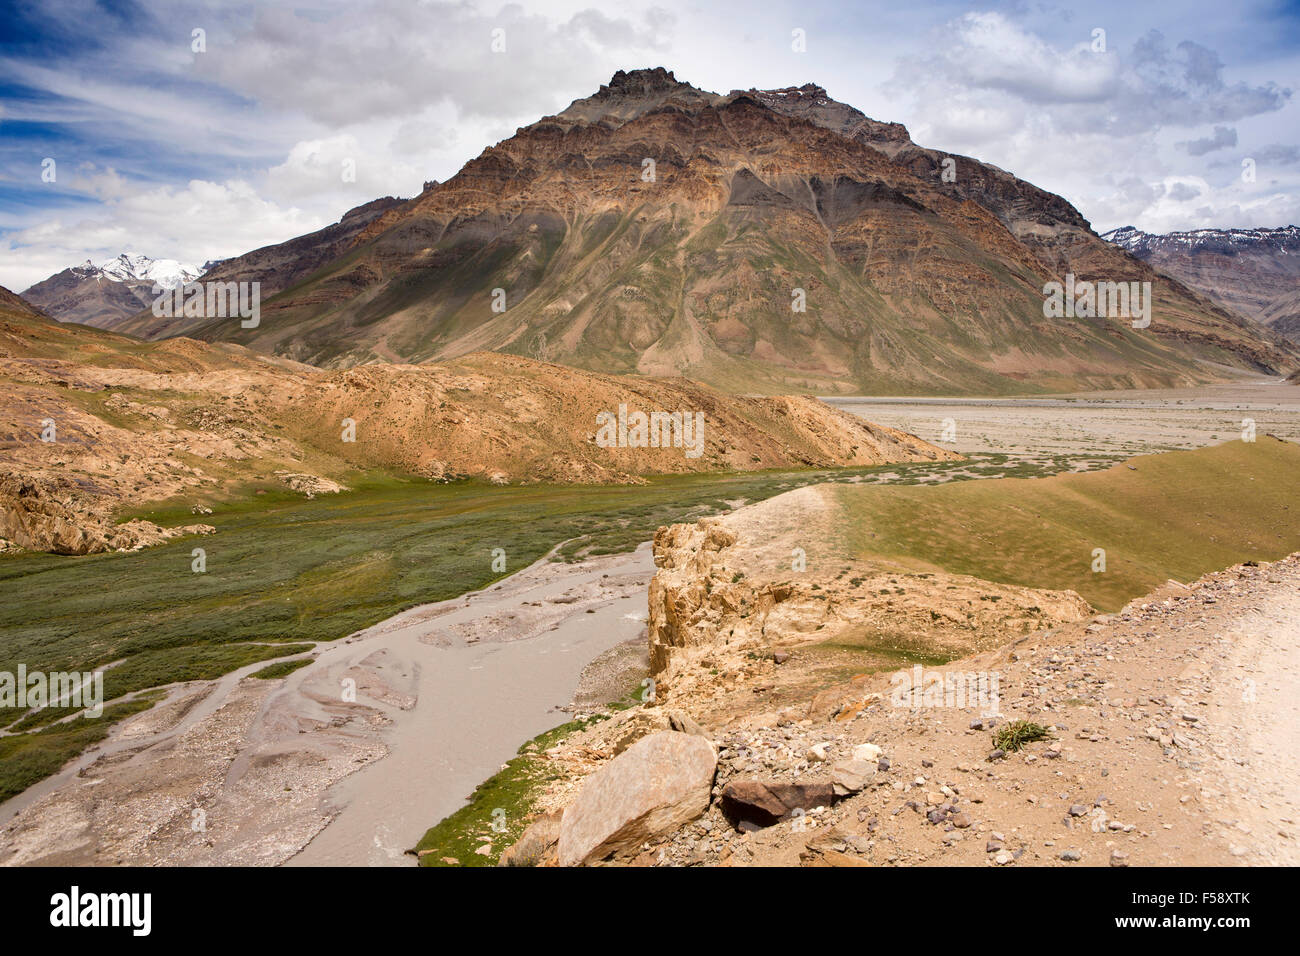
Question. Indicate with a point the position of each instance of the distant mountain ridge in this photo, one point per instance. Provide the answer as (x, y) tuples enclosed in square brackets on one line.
[(275, 267), (105, 293), (1253, 271)]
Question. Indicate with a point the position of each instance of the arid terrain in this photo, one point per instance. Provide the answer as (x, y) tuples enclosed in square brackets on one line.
[(93, 422), (688, 478), (1169, 730), (490, 670)]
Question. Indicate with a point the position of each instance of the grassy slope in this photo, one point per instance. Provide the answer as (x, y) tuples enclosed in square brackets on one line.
[(1176, 515)]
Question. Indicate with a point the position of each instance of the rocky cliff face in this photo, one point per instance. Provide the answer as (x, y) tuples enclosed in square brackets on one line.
[(774, 573), (760, 241), (1256, 272)]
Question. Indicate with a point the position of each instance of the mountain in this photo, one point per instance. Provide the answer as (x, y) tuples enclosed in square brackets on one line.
[(657, 229), (15, 305), (1254, 271), (130, 422), (105, 294), (275, 267)]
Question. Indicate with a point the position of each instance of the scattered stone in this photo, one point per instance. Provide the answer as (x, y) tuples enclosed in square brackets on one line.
[(867, 753), (851, 776), (765, 802)]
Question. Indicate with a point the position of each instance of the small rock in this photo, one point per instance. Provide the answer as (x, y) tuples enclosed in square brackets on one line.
[(851, 776)]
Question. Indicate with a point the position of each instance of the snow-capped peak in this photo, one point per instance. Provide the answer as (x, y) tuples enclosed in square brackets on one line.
[(1281, 239), (134, 267)]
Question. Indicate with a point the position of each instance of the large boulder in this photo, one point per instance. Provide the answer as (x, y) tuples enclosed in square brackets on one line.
[(655, 786)]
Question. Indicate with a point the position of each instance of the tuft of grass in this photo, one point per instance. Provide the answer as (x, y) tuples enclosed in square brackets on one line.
[(1013, 736)]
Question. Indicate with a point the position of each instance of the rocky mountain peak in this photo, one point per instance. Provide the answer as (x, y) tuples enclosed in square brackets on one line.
[(630, 93), (812, 103), (640, 82)]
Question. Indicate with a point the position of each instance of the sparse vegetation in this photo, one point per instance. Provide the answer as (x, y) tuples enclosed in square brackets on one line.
[(504, 801), (1013, 736), (281, 668)]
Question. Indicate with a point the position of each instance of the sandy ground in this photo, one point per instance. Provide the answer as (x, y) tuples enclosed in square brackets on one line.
[(1113, 423), (242, 771)]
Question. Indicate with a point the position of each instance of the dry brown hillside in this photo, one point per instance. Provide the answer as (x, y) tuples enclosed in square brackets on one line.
[(92, 420)]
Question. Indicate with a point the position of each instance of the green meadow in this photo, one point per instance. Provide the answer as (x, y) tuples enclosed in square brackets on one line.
[(1177, 515)]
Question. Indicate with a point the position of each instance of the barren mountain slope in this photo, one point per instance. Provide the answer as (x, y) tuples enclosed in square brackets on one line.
[(654, 228)]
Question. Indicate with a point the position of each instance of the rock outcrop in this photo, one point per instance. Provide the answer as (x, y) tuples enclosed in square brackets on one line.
[(739, 581), (45, 515)]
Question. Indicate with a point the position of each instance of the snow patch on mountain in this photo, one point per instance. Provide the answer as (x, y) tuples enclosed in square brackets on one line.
[(1283, 239), (134, 267)]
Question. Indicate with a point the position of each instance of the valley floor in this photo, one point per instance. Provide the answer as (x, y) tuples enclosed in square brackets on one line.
[(443, 693), (1133, 422), (240, 770)]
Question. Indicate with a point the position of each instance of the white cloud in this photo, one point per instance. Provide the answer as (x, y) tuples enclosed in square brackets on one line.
[(199, 221), (214, 154)]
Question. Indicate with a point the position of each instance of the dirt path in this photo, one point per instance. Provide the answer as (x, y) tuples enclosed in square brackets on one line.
[(1255, 725)]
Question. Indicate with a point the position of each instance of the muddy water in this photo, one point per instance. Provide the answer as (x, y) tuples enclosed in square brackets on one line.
[(475, 702)]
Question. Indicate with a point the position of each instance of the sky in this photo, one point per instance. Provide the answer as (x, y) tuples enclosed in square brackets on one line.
[(198, 131)]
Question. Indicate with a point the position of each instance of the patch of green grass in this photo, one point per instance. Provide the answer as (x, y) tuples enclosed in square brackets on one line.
[(199, 662), (499, 807), (1176, 515), (281, 668)]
